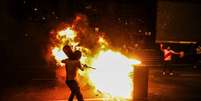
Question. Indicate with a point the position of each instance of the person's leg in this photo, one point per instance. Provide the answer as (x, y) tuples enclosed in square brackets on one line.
[(77, 91), (194, 61), (71, 96), (170, 67), (70, 85), (164, 67)]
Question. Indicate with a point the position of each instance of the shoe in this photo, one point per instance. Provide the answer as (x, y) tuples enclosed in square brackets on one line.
[(163, 73), (171, 73)]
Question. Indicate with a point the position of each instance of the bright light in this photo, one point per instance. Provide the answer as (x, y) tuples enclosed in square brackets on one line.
[(112, 73), (103, 43), (68, 33), (59, 54)]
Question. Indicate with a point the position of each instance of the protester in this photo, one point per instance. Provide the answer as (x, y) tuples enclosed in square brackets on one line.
[(167, 59), (72, 65)]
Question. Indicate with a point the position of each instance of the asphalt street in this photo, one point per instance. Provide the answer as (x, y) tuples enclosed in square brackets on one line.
[(184, 85)]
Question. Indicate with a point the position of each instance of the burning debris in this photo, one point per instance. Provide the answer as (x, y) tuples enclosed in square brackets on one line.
[(111, 74)]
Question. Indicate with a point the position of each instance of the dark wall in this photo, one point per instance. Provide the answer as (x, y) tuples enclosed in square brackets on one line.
[(178, 20)]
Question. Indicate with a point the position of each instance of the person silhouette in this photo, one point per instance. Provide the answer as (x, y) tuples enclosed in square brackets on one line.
[(167, 59), (72, 64)]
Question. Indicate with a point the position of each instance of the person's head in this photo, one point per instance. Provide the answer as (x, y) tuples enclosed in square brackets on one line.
[(168, 47), (68, 51), (77, 54)]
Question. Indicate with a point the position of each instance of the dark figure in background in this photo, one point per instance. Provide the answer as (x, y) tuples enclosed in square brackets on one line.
[(198, 55), (72, 66), (167, 59)]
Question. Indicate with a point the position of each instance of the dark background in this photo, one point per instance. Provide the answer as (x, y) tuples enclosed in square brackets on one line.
[(25, 27), (25, 24), (178, 21)]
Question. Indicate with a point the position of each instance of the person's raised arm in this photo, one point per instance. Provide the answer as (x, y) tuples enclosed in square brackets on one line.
[(161, 47), (177, 53)]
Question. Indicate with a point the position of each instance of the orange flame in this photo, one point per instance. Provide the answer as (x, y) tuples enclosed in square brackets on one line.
[(112, 68), (103, 43), (68, 33)]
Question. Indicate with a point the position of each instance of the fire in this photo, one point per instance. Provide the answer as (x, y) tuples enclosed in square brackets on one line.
[(65, 35), (59, 54), (113, 69), (112, 73), (103, 43), (68, 33)]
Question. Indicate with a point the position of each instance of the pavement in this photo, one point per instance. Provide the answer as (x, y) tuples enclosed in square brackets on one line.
[(184, 85)]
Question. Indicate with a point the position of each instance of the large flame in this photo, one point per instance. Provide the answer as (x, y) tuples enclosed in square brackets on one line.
[(112, 73), (113, 69)]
